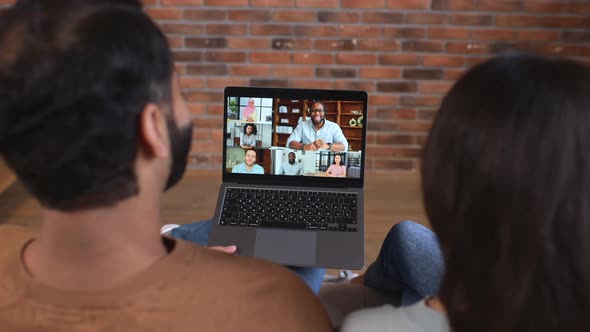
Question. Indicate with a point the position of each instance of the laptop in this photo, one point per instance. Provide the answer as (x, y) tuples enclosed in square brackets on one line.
[(292, 194)]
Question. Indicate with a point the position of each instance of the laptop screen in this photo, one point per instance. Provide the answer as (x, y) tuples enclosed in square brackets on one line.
[(295, 136)]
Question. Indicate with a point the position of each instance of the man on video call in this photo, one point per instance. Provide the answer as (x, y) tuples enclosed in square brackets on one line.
[(249, 165), (292, 167), (93, 123), (317, 133)]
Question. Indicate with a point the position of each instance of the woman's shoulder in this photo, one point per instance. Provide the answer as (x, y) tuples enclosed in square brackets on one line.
[(417, 317)]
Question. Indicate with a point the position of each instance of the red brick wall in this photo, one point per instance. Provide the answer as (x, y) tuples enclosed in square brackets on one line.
[(404, 53)]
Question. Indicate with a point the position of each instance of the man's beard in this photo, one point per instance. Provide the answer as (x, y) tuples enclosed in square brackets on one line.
[(291, 161), (180, 144), (322, 119)]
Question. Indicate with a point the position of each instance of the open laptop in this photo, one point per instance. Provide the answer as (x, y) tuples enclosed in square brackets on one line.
[(292, 194)]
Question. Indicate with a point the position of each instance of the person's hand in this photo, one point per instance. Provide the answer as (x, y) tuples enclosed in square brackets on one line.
[(310, 147), (227, 249), (320, 144)]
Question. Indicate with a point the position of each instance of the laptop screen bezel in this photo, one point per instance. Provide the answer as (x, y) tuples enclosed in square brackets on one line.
[(311, 94)]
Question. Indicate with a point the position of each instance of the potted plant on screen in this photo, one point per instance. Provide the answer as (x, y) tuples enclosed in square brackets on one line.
[(233, 109)]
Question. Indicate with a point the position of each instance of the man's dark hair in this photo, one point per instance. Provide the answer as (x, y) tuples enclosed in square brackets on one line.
[(506, 183), (318, 102), (254, 130), (74, 77)]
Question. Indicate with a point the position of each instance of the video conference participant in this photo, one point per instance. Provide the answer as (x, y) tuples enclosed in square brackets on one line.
[(248, 136), (337, 169), (249, 165), (293, 167), (249, 112), (317, 133)]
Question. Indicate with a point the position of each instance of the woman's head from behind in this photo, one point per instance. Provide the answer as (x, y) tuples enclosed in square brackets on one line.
[(506, 182)]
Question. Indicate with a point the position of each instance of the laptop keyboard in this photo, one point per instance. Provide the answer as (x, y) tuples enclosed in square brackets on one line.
[(290, 209)]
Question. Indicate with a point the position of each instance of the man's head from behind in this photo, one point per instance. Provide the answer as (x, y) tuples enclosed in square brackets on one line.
[(75, 78)]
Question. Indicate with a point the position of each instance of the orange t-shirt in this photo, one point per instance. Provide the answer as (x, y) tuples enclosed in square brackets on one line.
[(191, 289)]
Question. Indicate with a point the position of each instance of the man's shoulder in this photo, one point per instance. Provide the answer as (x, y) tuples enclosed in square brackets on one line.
[(229, 283), (16, 229), (306, 122), (13, 239), (225, 266), (13, 236), (331, 124)]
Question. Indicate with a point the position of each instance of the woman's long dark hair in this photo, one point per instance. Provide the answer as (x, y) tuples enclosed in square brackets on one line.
[(341, 159), (506, 185), (254, 131)]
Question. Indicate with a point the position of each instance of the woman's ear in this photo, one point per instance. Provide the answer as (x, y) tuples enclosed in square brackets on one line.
[(153, 131)]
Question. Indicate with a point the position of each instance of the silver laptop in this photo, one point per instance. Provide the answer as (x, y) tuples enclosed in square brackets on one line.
[(293, 193)]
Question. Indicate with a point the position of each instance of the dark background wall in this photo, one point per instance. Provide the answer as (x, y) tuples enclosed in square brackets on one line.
[(404, 53)]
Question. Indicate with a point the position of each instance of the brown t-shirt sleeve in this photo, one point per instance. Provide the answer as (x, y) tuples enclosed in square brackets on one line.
[(263, 296), (191, 289), (292, 306)]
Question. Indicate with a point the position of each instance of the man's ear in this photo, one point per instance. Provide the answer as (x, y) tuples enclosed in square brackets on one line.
[(153, 131)]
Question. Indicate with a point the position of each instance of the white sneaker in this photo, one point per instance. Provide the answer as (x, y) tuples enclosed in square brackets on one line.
[(344, 277), (166, 229)]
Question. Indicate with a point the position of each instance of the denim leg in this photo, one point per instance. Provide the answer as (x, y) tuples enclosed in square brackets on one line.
[(313, 276), (410, 262), (198, 232)]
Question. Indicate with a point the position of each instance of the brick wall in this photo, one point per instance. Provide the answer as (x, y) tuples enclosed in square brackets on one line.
[(404, 53)]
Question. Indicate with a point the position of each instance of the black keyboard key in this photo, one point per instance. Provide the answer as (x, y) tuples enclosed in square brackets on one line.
[(345, 220), (285, 225), (230, 208)]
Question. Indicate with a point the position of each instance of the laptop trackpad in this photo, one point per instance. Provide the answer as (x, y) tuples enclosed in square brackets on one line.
[(286, 247)]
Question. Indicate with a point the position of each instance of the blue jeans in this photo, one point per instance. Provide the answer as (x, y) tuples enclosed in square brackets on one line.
[(198, 232), (410, 263)]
